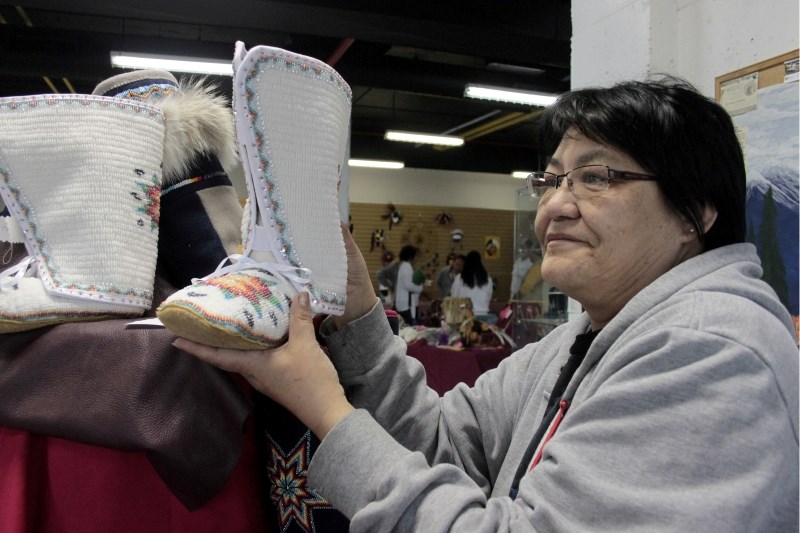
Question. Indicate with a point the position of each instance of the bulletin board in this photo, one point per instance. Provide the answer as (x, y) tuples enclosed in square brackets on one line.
[(770, 72), (764, 102)]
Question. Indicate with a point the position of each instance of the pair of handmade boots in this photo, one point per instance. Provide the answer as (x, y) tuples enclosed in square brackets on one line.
[(98, 187)]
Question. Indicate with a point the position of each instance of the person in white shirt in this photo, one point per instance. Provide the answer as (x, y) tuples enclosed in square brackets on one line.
[(476, 284), (406, 292)]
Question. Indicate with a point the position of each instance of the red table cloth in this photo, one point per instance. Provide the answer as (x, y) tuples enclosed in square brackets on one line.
[(445, 368)]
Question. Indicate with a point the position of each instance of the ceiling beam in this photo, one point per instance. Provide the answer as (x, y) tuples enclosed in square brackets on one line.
[(541, 40)]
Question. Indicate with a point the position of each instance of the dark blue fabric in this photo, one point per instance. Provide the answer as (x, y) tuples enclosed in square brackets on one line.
[(188, 244)]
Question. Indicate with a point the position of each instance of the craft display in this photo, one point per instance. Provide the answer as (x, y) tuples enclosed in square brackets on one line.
[(292, 117), (185, 201), (392, 215), (456, 310), (81, 177), (378, 239), (444, 218)]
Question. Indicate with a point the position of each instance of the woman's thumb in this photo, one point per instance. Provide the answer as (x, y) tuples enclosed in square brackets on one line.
[(300, 317)]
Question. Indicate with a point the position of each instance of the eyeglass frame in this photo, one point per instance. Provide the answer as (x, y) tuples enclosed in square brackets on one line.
[(623, 175)]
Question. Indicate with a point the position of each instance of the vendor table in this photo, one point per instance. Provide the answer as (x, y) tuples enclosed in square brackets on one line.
[(446, 367)]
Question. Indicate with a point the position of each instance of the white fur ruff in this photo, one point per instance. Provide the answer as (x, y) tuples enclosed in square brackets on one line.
[(198, 121)]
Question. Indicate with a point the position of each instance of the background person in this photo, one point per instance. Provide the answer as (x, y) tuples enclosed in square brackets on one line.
[(447, 274), (670, 404), (406, 293), (475, 283), (526, 274)]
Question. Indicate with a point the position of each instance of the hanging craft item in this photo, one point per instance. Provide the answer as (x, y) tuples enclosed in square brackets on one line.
[(378, 239), (491, 247), (392, 215), (456, 235), (387, 257), (444, 218)]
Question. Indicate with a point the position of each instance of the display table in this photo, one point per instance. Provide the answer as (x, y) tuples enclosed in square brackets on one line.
[(59, 485), (445, 367)]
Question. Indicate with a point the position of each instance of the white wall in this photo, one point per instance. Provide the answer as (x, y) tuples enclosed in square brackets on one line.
[(434, 187), (414, 186), (695, 39)]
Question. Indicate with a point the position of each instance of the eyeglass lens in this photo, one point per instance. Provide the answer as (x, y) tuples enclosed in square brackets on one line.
[(590, 178)]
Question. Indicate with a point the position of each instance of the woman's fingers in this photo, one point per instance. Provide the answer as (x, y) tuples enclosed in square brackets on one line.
[(225, 358)]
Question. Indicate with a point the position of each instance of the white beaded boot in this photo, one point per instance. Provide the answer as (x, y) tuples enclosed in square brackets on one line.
[(81, 177), (292, 116)]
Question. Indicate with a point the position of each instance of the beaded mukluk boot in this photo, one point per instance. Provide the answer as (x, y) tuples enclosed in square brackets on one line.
[(81, 178), (200, 223), (292, 116)]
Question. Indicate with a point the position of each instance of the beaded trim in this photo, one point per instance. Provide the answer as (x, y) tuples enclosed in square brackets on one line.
[(190, 181), (14, 103), (270, 58), (147, 92)]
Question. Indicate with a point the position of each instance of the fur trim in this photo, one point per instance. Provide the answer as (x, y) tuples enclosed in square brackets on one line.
[(197, 121)]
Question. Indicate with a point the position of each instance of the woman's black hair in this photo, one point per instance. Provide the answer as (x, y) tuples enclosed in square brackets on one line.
[(682, 137), (474, 274), (408, 252)]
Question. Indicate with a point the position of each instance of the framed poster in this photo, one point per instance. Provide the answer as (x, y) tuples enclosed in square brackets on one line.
[(768, 133)]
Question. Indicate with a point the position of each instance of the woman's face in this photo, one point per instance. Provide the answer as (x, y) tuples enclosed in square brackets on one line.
[(603, 248)]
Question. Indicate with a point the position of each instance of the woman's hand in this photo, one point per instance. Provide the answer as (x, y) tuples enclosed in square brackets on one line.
[(297, 375), (360, 292)]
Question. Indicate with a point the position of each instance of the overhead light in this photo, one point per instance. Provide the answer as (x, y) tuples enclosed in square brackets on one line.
[(423, 138), (373, 163), (520, 174), (532, 71), (170, 63), (500, 94)]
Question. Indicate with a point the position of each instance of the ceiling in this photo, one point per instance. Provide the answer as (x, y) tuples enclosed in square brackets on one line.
[(407, 62)]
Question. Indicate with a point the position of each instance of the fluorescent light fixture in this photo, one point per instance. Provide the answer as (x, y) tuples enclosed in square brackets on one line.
[(423, 138), (520, 174), (505, 67), (196, 65), (374, 163), (484, 92)]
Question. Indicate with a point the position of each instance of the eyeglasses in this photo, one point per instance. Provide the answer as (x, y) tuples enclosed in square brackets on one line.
[(586, 179)]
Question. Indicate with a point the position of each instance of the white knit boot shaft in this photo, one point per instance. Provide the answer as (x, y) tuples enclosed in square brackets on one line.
[(292, 120), (292, 117), (82, 177)]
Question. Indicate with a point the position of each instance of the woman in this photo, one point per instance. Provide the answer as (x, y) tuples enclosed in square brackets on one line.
[(670, 404), (406, 292), (476, 284)]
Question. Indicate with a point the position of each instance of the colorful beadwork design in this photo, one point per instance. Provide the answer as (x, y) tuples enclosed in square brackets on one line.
[(288, 475), (149, 195), (256, 290), (195, 179), (150, 91)]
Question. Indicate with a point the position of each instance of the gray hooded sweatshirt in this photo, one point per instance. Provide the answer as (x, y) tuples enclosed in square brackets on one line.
[(683, 417)]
